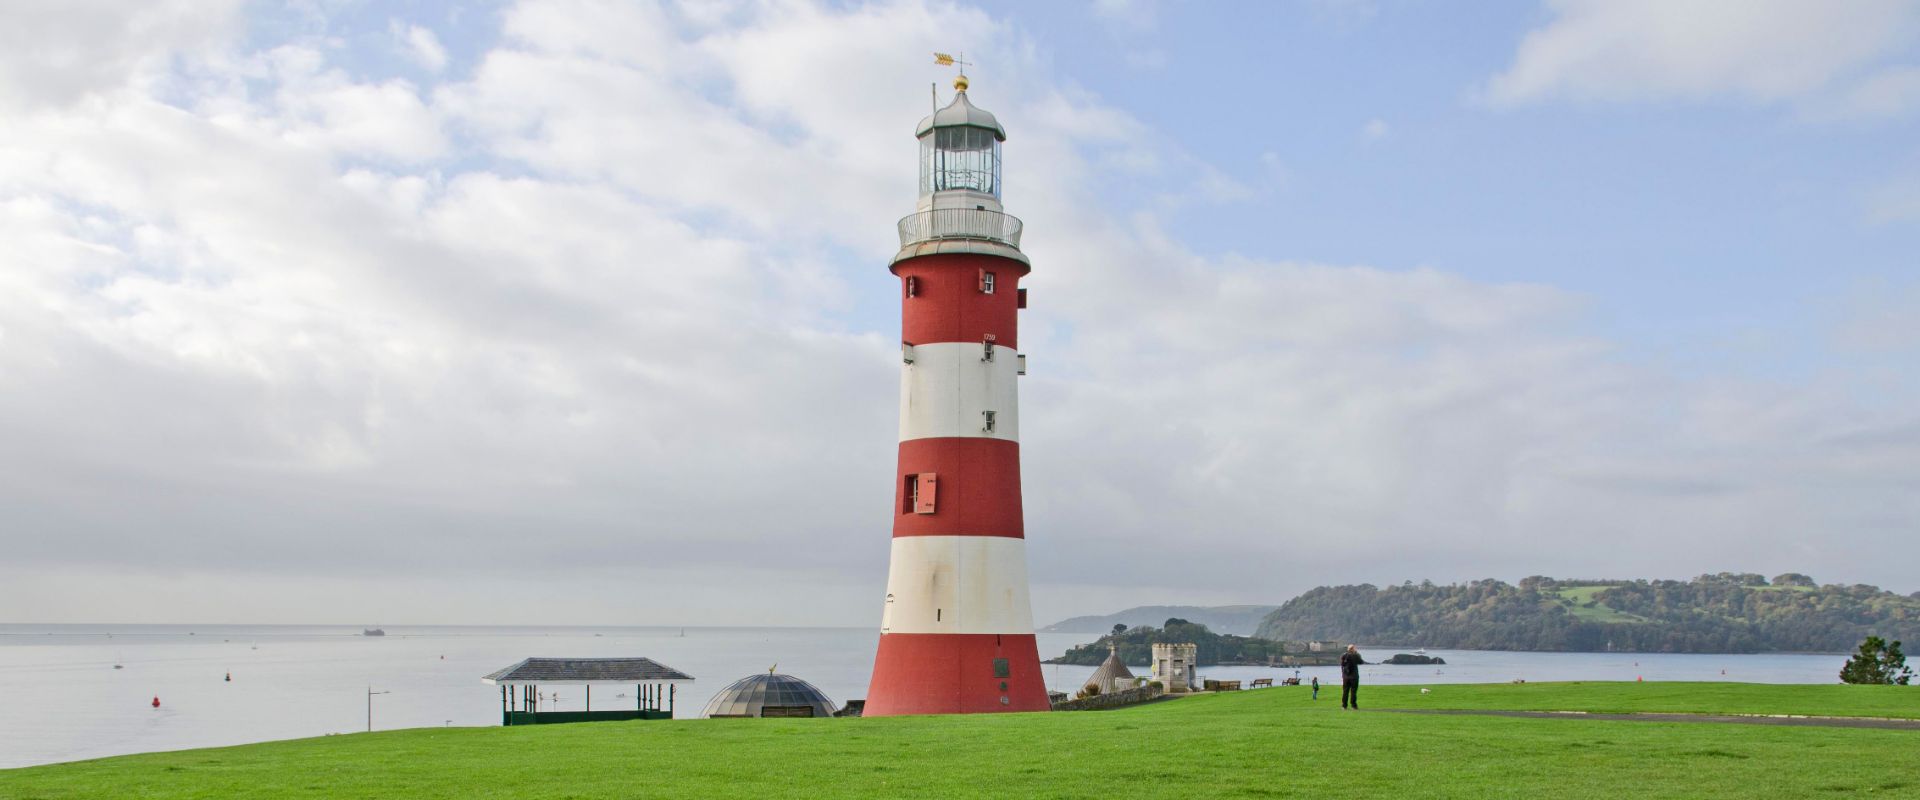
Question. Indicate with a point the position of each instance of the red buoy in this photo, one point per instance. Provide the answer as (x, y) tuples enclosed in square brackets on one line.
[(156, 702)]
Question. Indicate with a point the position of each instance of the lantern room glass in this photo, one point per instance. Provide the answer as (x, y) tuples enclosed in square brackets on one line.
[(960, 157)]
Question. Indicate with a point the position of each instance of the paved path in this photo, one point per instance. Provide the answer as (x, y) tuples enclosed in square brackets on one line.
[(1733, 719)]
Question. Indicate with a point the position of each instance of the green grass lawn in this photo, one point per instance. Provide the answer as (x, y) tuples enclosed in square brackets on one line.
[(1836, 700), (1264, 743)]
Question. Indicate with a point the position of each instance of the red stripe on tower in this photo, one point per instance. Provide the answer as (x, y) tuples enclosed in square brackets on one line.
[(956, 634)]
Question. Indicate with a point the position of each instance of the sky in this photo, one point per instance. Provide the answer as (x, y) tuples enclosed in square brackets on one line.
[(577, 312)]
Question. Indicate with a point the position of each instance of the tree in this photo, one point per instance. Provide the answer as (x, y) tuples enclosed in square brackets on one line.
[(1877, 663), (1119, 628)]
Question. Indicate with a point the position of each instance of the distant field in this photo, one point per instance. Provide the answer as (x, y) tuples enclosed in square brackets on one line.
[(1263, 743), (1576, 597)]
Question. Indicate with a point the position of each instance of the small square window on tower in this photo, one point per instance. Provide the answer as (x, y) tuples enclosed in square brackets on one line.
[(920, 493), (986, 282)]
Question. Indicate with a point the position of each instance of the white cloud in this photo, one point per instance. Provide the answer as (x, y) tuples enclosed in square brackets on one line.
[(57, 51), (1134, 16), (273, 326), (1764, 51), (424, 47), (1375, 130)]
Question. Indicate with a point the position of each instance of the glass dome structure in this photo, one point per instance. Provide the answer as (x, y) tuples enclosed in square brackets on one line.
[(770, 695), (960, 149)]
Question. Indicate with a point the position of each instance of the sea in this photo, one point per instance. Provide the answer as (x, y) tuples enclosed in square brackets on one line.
[(73, 692)]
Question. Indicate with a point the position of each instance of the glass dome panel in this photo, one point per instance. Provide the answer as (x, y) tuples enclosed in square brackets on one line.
[(750, 696), (960, 157)]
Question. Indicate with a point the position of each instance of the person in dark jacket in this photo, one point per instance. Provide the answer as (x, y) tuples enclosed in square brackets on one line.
[(1350, 662)]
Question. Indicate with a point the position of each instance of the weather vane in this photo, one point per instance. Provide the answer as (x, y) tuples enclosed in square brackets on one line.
[(955, 60)]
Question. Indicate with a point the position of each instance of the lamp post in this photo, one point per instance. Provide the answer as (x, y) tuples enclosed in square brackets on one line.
[(370, 694)]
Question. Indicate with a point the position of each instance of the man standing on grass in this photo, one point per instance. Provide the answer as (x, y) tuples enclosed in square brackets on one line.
[(1350, 662)]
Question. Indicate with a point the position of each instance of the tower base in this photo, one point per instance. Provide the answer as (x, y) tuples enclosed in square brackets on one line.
[(954, 673)]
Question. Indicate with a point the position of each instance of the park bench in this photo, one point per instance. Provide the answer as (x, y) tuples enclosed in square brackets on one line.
[(1259, 682)]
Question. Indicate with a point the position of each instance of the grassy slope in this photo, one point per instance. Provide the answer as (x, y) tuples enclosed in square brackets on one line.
[(1267, 743), (1696, 698), (1575, 596)]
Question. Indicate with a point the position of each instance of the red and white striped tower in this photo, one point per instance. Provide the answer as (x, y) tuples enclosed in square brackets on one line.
[(957, 632)]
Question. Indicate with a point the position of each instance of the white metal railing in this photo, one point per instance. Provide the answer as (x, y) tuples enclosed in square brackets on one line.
[(959, 223)]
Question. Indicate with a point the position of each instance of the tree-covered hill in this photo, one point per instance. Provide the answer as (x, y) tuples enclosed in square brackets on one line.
[(1136, 645), (1240, 620), (1721, 613)]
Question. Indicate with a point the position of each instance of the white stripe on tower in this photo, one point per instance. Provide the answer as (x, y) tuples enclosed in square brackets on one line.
[(958, 584), (949, 386)]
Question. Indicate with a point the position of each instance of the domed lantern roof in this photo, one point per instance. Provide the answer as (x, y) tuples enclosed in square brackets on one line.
[(770, 695), (961, 113)]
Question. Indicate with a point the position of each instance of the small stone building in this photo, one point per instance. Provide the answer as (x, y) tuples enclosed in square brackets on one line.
[(1112, 675), (1173, 665)]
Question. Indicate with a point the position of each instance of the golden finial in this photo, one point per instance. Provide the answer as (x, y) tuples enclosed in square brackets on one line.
[(960, 82)]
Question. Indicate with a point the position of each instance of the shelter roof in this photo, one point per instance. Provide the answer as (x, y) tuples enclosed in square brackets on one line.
[(1109, 670), (750, 696), (588, 670)]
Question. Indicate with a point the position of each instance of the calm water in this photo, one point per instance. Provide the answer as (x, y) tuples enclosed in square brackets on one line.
[(65, 701)]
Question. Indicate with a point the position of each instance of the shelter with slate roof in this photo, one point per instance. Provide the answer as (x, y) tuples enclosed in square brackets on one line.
[(1113, 675), (654, 686)]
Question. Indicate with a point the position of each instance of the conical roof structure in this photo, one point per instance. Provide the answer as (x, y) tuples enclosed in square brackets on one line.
[(1109, 670)]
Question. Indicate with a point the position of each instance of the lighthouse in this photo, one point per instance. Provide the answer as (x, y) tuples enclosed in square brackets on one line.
[(956, 632)]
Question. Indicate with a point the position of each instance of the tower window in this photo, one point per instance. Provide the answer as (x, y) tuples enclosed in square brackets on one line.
[(988, 427), (919, 493), (986, 282)]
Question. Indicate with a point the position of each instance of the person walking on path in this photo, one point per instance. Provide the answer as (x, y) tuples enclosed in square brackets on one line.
[(1350, 662), (1316, 687)]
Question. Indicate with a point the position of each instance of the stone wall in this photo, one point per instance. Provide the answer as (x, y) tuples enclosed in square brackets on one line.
[(1114, 700)]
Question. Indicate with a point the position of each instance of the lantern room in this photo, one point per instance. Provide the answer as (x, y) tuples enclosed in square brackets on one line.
[(960, 156)]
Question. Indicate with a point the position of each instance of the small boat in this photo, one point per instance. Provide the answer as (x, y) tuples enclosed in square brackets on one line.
[(118, 666), (373, 632)]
